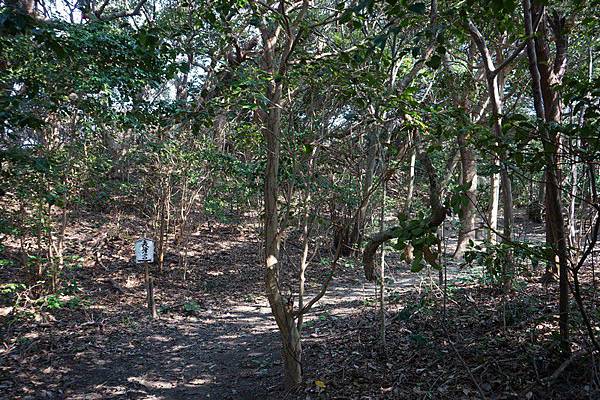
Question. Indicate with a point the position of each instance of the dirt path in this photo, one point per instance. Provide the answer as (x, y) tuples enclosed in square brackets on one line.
[(215, 337), (223, 355)]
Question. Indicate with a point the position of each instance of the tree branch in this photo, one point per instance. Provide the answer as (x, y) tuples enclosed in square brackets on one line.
[(557, 25), (119, 14), (438, 214), (479, 40)]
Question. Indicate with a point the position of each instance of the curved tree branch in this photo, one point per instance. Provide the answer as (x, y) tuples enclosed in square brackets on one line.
[(438, 214), (136, 10)]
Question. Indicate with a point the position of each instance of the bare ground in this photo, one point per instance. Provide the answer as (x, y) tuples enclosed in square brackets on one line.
[(215, 337)]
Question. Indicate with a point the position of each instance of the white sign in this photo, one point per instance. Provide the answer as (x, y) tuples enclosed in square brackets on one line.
[(144, 251)]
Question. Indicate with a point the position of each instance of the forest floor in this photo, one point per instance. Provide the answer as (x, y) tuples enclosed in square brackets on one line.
[(215, 337)]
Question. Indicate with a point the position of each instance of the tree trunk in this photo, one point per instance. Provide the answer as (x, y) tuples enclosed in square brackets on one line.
[(219, 128), (509, 268), (162, 230), (535, 209), (554, 212), (303, 261), (573, 203), (467, 212), (306, 230), (411, 182), (355, 236), (282, 310), (547, 107), (382, 267), (494, 205), (494, 79)]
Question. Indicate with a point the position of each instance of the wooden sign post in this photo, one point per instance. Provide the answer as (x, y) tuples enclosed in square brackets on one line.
[(144, 254)]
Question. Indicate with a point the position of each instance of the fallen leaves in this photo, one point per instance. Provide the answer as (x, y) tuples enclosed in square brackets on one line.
[(320, 384)]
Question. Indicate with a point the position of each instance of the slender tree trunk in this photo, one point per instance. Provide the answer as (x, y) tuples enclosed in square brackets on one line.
[(411, 181), (507, 233), (382, 269), (546, 105), (408, 250), (162, 224), (282, 310), (219, 127), (303, 265), (557, 225), (494, 81), (494, 204), (357, 230), (467, 213), (573, 204), (535, 209)]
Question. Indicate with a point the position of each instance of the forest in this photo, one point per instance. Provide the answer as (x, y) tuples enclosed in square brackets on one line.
[(299, 199)]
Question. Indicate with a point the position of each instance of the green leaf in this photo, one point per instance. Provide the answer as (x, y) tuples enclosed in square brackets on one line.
[(518, 158), (417, 265), (417, 8), (380, 40), (346, 16), (434, 62)]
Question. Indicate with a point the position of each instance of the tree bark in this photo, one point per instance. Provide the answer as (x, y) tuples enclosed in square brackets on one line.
[(491, 75), (382, 271), (411, 181), (357, 229), (274, 63), (281, 310), (547, 107), (494, 204), (467, 212), (437, 216)]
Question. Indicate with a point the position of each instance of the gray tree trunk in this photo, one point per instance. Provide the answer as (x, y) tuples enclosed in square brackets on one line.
[(467, 212)]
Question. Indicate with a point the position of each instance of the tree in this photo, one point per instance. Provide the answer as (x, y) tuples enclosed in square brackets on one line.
[(547, 107)]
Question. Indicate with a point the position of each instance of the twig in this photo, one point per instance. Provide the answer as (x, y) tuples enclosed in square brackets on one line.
[(116, 286), (549, 380), (464, 363)]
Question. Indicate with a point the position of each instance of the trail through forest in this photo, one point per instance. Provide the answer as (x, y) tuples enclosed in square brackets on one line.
[(215, 336), (305, 200)]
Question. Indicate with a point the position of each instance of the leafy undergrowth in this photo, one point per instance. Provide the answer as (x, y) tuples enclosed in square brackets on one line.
[(215, 338), (94, 338), (485, 347)]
